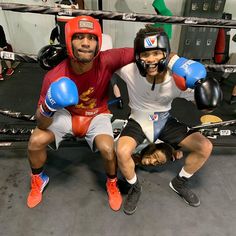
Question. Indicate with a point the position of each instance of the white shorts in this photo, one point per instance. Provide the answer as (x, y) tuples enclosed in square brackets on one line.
[(62, 125)]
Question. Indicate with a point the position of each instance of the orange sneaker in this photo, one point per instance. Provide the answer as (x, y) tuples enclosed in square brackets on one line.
[(114, 195), (38, 183)]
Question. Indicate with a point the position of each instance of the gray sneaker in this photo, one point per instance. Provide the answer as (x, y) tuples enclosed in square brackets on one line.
[(178, 184), (132, 199)]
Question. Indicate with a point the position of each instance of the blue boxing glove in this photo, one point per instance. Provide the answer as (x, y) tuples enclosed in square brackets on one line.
[(186, 72), (61, 93)]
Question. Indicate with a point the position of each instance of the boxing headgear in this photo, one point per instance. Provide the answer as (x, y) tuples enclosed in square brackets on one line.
[(84, 25), (50, 56), (151, 41)]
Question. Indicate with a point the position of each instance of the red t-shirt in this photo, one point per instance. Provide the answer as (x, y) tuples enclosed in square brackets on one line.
[(92, 85)]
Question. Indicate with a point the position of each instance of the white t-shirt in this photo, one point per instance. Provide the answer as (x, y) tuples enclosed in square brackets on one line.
[(149, 106), (142, 98)]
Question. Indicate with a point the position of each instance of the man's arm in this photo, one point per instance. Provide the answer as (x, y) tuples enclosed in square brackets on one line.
[(186, 72), (43, 122), (192, 74), (61, 93)]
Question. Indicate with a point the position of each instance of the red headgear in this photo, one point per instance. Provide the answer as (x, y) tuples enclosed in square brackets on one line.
[(84, 25)]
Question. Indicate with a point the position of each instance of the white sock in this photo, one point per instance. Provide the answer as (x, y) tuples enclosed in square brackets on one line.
[(133, 180), (185, 174)]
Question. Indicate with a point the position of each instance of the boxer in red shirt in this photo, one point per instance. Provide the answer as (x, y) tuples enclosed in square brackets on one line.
[(74, 100)]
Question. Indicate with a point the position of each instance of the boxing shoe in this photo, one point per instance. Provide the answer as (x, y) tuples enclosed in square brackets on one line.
[(114, 195), (1, 77), (38, 184), (178, 184), (132, 199)]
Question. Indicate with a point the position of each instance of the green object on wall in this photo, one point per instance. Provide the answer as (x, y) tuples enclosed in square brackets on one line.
[(161, 9)]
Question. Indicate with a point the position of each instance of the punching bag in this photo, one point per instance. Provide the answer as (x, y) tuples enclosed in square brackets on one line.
[(221, 54), (161, 9)]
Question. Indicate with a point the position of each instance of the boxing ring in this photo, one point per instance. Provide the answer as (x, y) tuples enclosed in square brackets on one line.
[(75, 203), (8, 134)]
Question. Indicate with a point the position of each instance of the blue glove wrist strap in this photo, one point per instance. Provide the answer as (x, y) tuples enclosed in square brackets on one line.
[(44, 111)]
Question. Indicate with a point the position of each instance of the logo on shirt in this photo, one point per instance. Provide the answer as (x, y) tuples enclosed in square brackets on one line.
[(87, 99), (154, 117), (150, 42)]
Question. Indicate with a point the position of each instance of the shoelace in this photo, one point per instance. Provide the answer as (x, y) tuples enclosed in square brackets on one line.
[(112, 187), (184, 188), (35, 184), (131, 195)]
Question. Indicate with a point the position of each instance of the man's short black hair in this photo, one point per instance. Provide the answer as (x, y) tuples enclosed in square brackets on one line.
[(149, 28)]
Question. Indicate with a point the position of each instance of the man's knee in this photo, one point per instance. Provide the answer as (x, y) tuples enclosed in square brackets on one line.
[(107, 151), (38, 140), (205, 148), (208, 146), (123, 154)]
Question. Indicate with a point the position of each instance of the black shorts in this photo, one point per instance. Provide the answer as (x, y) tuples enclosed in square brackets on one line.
[(172, 133)]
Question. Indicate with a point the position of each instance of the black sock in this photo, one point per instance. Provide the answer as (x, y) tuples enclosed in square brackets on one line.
[(111, 176), (36, 171)]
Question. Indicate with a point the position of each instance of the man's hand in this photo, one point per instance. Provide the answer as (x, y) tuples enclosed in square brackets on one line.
[(61, 93), (186, 72)]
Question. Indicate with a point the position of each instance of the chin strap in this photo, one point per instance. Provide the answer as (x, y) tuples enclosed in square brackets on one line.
[(153, 84), (154, 81)]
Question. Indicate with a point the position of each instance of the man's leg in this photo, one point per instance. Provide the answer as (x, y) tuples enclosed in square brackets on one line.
[(105, 144), (200, 149), (125, 147), (10, 70), (37, 157)]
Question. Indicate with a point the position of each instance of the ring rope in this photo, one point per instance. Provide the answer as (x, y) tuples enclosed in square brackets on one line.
[(17, 115), (214, 125), (120, 16), (20, 135), (33, 59), (206, 129), (16, 134), (27, 117), (15, 131)]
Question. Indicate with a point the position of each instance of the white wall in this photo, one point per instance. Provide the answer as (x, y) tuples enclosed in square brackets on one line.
[(230, 7), (29, 32)]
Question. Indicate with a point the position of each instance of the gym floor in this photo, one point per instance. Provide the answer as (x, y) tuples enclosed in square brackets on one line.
[(75, 201)]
